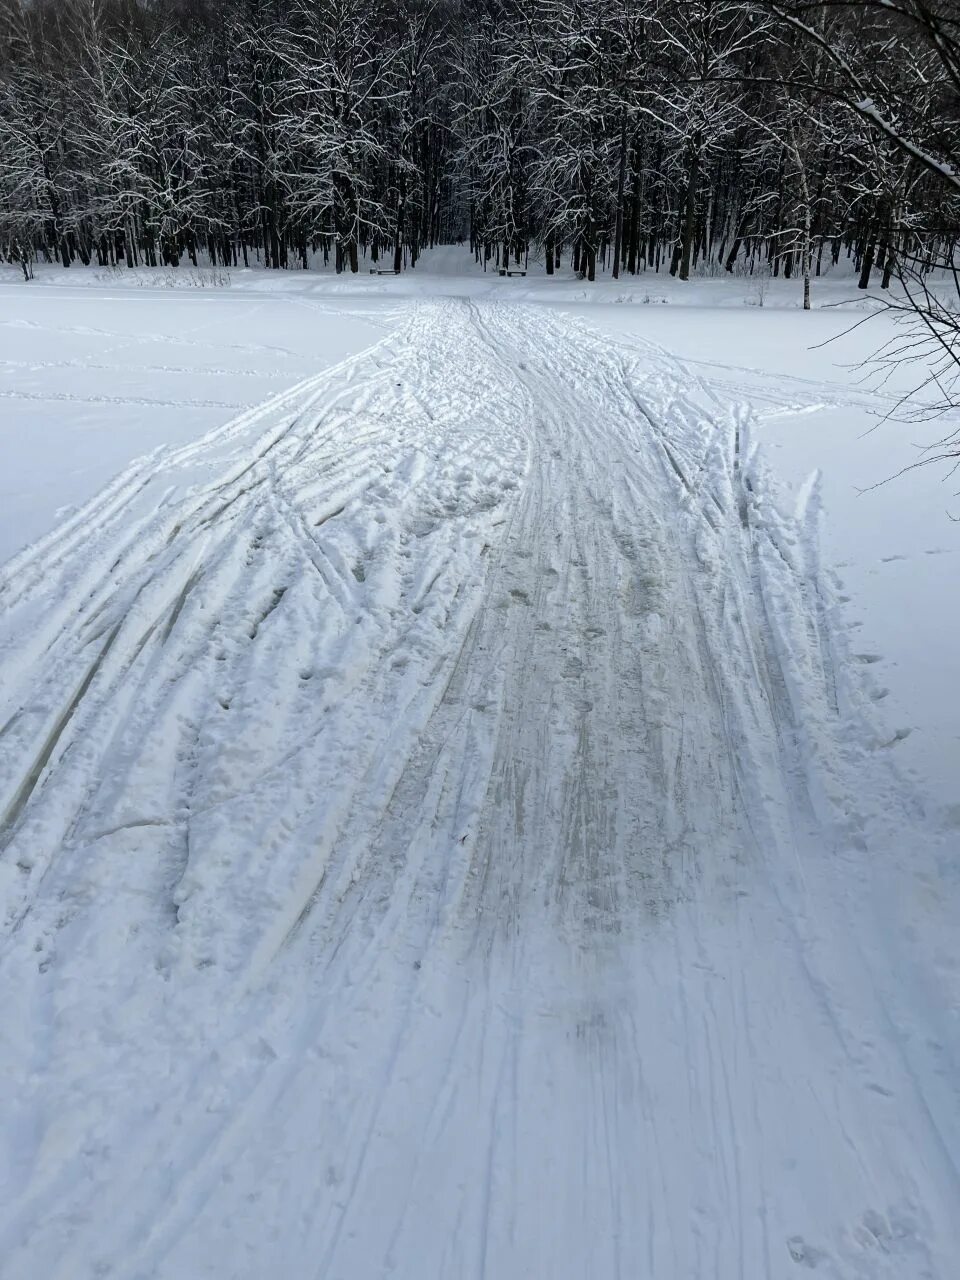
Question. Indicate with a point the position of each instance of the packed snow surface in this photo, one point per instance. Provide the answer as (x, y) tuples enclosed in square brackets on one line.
[(448, 830), (95, 375)]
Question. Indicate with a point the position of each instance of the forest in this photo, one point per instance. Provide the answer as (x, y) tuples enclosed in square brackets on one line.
[(616, 136)]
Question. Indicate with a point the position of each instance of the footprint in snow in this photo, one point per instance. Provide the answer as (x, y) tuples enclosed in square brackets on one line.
[(880, 1089), (805, 1255)]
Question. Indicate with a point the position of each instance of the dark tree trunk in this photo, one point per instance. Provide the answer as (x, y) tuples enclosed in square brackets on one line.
[(867, 265), (621, 183), (690, 208)]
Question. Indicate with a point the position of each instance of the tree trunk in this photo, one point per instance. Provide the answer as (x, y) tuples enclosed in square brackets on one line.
[(886, 254), (399, 230), (690, 208), (621, 183), (733, 254), (867, 267), (807, 257)]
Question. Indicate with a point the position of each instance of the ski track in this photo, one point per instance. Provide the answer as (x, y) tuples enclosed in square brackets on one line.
[(441, 838)]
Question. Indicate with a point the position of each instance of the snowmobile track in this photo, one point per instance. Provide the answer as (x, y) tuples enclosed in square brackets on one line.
[(438, 842)]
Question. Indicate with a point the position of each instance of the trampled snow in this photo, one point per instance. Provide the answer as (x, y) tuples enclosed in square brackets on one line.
[(458, 814)]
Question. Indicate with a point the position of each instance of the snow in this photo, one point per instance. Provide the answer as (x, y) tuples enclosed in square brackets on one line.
[(888, 532), (94, 375), (453, 824), (867, 107)]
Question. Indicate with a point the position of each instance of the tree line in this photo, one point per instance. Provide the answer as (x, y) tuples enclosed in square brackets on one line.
[(614, 135)]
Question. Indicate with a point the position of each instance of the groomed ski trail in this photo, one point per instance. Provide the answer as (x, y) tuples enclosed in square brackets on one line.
[(439, 839)]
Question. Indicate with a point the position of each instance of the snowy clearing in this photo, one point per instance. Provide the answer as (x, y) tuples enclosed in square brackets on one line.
[(95, 375), (450, 826)]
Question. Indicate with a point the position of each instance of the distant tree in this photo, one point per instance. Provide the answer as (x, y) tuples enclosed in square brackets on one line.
[(632, 135), (894, 67)]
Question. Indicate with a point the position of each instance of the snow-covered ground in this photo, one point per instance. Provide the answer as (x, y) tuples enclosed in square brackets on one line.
[(97, 374), (489, 809)]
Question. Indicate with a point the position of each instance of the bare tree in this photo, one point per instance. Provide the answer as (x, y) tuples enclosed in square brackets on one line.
[(633, 135)]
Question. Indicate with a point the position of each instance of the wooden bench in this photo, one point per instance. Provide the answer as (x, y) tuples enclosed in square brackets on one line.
[(519, 271), (383, 271)]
